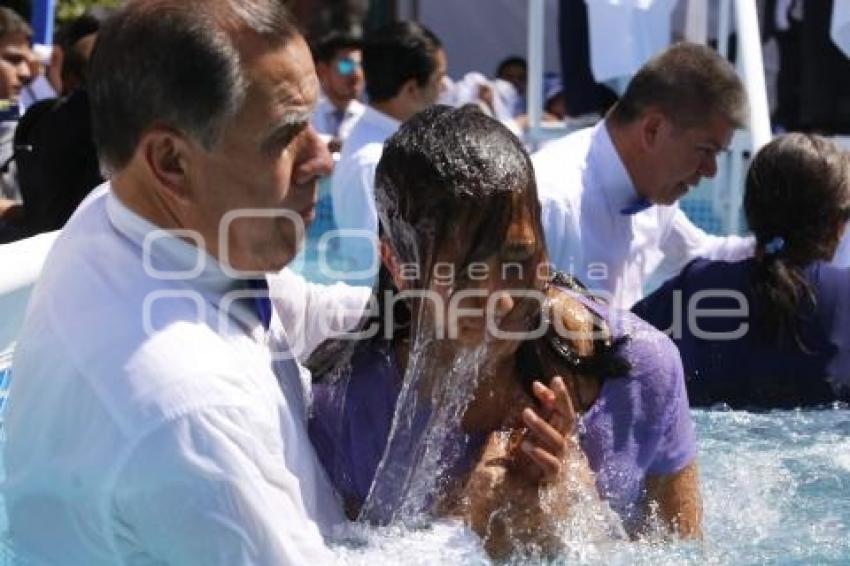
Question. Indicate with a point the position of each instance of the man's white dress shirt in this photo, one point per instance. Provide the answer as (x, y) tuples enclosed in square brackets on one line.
[(149, 419), (583, 188), (312, 313), (353, 190), (329, 121)]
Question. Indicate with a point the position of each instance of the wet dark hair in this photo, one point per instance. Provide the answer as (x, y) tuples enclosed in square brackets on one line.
[(174, 62), (396, 53), (446, 171), (326, 46), (452, 169), (536, 359), (455, 178), (689, 83), (797, 197)]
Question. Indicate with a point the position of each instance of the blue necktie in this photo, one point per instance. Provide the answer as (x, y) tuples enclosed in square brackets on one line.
[(638, 206), (338, 117), (262, 303)]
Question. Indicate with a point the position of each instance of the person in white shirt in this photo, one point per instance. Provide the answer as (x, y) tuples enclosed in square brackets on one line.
[(157, 414), (339, 63), (608, 193), (404, 64)]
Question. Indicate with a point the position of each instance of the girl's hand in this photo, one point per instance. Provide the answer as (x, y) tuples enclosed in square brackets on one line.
[(540, 451)]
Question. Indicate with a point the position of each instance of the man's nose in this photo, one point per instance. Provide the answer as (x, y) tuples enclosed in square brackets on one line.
[(316, 160), (24, 71), (708, 167)]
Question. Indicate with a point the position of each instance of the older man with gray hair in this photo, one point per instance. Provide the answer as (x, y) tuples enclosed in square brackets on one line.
[(157, 414)]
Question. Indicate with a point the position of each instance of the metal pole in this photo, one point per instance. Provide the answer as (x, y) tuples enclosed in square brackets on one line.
[(723, 19), (752, 69), (42, 21), (536, 45), (735, 181)]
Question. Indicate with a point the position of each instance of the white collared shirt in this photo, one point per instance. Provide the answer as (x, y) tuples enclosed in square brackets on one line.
[(353, 190), (583, 187), (326, 122), (150, 423)]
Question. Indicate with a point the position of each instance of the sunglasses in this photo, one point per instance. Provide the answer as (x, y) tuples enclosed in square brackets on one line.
[(347, 66)]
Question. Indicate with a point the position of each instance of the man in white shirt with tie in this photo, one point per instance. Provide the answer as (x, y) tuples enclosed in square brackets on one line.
[(157, 413), (339, 64), (609, 193), (404, 64)]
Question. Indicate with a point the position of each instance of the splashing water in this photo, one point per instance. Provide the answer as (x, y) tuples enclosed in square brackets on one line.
[(425, 442), (775, 489)]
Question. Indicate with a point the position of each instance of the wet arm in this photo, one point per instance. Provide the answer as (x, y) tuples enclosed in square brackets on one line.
[(678, 500), (503, 508), (312, 313)]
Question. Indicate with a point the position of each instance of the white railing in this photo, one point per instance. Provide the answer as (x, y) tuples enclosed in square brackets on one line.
[(22, 262)]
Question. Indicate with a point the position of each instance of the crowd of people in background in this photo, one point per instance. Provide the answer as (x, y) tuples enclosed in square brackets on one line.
[(49, 161), (54, 141)]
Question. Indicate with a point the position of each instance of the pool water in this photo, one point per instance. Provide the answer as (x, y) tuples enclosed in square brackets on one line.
[(776, 490)]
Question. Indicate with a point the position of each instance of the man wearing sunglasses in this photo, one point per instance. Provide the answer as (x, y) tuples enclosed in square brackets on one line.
[(405, 65), (338, 59)]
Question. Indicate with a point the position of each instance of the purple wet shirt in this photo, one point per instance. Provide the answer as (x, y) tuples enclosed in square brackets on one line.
[(351, 418), (640, 424)]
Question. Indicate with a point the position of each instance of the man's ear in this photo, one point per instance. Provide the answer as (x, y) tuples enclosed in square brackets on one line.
[(168, 157), (652, 125), (409, 91), (322, 70), (392, 263)]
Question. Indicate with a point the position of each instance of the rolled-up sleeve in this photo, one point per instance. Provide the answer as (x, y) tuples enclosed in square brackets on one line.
[(684, 242), (312, 312), (211, 487)]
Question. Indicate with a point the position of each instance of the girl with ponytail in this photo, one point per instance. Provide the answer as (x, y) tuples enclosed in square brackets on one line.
[(778, 336)]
